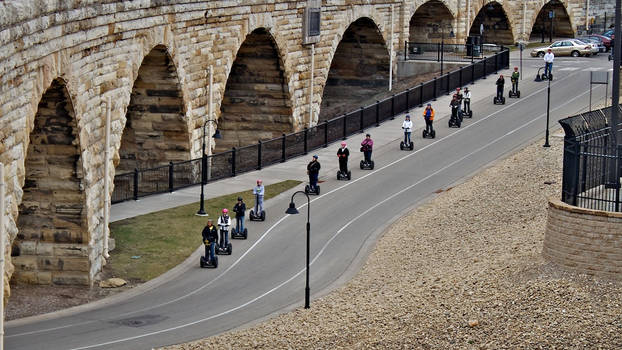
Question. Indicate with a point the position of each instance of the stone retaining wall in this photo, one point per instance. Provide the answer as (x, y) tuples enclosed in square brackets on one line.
[(584, 240)]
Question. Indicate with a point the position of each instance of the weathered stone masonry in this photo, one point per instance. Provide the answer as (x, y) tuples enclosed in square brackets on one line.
[(60, 61)]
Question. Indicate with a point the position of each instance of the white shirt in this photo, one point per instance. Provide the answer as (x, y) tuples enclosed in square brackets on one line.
[(467, 94), (407, 125), (548, 58), (222, 221)]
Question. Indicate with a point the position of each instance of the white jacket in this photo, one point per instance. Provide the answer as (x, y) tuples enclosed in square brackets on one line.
[(222, 221), (548, 58), (467, 95), (407, 125)]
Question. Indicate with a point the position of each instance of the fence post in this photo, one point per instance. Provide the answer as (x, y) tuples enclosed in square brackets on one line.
[(438, 52), (434, 92), (484, 76), (448, 83), (421, 94), (326, 134), (259, 155), (617, 176), (171, 172), (496, 63), (377, 113), (306, 137), (392, 107), (361, 120), (472, 73), (283, 149), (407, 102), (460, 76), (345, 132), (233, 161), (135, 184)]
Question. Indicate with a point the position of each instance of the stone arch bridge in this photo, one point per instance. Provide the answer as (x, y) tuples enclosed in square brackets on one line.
[(61, 61)]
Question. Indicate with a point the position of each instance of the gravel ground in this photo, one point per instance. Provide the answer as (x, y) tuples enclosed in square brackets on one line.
[(464, 271)]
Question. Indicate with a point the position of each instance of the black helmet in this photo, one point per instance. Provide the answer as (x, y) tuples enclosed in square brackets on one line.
[(239, 198)]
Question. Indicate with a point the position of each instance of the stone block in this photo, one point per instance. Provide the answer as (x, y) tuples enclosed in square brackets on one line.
[(70, 278)]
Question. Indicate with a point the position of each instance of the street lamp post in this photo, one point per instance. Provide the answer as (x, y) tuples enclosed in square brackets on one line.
[(292, 210), (216, 135), (548, 107)]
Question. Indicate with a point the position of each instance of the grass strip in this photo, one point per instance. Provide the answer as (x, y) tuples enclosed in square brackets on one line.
[(151, 244)]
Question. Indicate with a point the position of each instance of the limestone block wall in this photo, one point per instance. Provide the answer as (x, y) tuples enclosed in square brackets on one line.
[(151, 60), (584, 240)]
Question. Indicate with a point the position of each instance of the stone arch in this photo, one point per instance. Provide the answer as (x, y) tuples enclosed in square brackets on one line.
[(156, 130), (359, 64), (430, 21), (52, 212), (256, 102), (497, 24), (562, 21)]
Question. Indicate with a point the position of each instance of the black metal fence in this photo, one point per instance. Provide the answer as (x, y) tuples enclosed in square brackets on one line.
[(448, 52), (592, 165), (167, 178)]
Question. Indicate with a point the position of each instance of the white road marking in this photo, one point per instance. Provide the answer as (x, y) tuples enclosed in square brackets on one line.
[(569, 69)]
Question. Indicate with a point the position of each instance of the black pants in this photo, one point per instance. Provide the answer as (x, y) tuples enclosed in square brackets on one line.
[(428, 125), (367, 155), (467, 105), (499, 91), (515, 86), (343, 164)]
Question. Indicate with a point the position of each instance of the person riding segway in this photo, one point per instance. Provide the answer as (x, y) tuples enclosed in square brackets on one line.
[(467, 103), (258, 214), (428, 116), (407, 125), (456, 117), (239, 231), (210, 240), (313, 170), (514, 92), (343, 154), (366, 147), (224, 221), (549, 57), (499, 99)]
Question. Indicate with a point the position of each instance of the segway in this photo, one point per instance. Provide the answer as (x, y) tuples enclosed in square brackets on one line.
[(253, 214), (367, 165), (206, 262), (224, 232), (429, 135), (405, 145), (467, 112), (344, 175), (499, 99), (514, 93), (237, 234), (309, 190), (542, 77), (455, 121)]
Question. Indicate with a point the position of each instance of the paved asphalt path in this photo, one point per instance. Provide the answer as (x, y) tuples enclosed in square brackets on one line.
[(266, 273)]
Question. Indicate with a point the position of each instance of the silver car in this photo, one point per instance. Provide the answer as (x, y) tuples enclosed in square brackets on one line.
[(568, 47), (596, 47)]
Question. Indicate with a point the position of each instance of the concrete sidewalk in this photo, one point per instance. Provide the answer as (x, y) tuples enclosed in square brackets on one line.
[(385, 137)]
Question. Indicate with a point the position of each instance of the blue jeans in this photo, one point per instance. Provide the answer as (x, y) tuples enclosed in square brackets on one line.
[(313, 180), (210, 251), (367, 155), (407, 137), (259, 205), (240, 223), (548, 68)]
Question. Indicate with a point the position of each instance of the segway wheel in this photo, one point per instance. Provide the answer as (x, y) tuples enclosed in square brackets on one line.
[(263, 215), (494, 100), (449, 123), (229, 249), (402, 145), (307, 189), (518, 94), (318, 190), (251, 214), (503, 100), (362, 165), (338, 175), (372, 165), (433, 133), (470, 114), (411, 147), (458, 124), (424, 134), (349, 175), (202, 262), (245, 233)]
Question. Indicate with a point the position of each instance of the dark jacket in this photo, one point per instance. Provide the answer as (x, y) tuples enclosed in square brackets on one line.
[(343, 153), (455, 103), (239, 209), (500, 82), (210, 234), (367, 145), (313, 167)]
